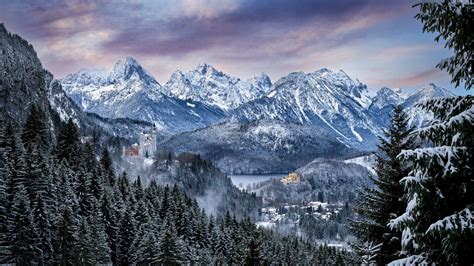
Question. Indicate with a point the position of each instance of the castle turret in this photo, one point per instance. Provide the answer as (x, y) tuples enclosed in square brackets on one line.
[(148, 143)]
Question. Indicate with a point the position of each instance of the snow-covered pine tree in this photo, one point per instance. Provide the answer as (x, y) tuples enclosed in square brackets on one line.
[(84, 252), (108, 168), (38, 173), (13, 160), (138, 188), (109, 220), (35, 130), (383, 201), (69, 146), (453, 21), (124, 186), (438, 225), (66, 238), (83, 195), (127, 232), (4, 243), (43, 228), (253, 253), (169, 251), (65, 188), (99, 244), (22, 235)]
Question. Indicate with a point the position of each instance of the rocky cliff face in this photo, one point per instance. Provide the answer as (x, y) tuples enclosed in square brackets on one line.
[(211, 86), (22, 77)]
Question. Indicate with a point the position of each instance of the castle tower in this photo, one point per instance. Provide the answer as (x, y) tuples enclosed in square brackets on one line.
[(148, 143)]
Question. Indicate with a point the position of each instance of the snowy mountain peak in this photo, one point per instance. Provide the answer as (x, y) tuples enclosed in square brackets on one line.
[(417, 116), (129, 68), (211, 86), (432, 90), (263, 80), (385, 98), (205, 69)]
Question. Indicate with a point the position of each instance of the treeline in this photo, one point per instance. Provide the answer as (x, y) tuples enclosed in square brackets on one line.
[(63, 205)]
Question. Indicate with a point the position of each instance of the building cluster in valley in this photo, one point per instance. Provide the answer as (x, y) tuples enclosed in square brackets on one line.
[(321, 210), (291, 178), (146, 148)]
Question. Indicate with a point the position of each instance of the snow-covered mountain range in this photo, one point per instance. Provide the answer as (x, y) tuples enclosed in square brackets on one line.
[(129, 91), (329, 100), (209, 112)]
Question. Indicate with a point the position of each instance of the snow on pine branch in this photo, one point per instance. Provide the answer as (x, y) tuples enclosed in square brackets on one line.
[(415, 178), (406, 216), (412, 260), (458, 221), (446, 107), (444, 155), (456, 121)]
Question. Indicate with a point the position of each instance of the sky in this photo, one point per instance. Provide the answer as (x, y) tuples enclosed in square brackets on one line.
[(378, 42)]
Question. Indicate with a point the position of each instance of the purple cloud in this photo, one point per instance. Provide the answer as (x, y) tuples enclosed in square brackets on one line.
[(242, 37)]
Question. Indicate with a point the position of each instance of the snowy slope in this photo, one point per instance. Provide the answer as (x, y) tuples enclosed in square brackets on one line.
[(208, 85), (129, 91), (329, 100), (258, 147), (383, 103), (417, 116)]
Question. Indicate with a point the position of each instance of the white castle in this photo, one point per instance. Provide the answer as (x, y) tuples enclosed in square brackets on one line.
[(146, 147)]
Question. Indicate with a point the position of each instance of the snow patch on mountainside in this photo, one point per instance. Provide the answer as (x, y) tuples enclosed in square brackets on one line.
[(366, 161)]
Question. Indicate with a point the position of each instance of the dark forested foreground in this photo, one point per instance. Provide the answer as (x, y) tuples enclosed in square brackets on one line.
[(61, 205)]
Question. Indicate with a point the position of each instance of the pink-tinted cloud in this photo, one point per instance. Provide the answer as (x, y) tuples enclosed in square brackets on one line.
[(368, 38)]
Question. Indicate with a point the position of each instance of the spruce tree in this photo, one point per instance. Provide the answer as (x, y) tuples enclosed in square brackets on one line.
[(99, 240), (84, 252), (124, 186), (66, 238), (438, 224), (13, 162), (69, 143), (253, 253), (35, 130), (4, 242), (22, 234), (169, 252), (108, 168), (127, 232), (383, 201), (110, 221), (43, 226), (83, 195)]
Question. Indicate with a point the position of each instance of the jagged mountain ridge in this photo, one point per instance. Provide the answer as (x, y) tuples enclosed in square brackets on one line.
[(211, 86), (329, 100), (332, 101), (129, 91)]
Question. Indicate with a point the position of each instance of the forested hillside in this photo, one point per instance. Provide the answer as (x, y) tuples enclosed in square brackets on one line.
[(62, 205)]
